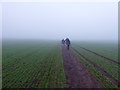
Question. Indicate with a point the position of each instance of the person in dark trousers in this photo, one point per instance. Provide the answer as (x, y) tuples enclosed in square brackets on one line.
[(67, 42)]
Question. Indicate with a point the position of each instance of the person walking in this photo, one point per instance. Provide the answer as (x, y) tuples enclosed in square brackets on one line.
[(63, 41), (67, 42)]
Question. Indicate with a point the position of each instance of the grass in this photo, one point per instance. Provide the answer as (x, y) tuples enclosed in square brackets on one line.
[(32, 65)]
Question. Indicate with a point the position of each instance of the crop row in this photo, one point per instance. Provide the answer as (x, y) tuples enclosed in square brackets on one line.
[(108, 49), (101, 78), (38, 67), (110, 68)]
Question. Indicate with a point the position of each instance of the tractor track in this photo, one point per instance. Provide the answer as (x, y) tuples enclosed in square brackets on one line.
[(114, 81), (77, 73), (111, 60)]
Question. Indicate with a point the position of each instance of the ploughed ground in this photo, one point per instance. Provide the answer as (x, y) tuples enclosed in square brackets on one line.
[(76, 73)]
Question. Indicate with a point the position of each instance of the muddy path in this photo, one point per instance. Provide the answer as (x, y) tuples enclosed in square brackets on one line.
[(76, 73), (113, 61), (114, 81)]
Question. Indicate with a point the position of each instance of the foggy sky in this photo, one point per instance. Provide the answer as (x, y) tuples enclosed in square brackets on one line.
[(78, 21), (0, 22)]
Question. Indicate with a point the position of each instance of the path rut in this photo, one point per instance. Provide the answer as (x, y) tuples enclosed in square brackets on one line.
[(76, 73)]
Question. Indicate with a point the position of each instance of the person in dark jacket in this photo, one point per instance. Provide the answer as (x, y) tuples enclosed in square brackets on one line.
[(67, 42), (63, 41)]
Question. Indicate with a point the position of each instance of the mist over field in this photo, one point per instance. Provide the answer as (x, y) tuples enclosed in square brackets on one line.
[(55, 21), (36, 54)]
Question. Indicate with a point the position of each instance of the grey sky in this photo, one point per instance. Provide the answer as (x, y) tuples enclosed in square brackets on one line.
[(78, 21), (0, 21)]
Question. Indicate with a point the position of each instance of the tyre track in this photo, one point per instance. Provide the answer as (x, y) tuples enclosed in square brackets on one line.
[(76, 73), (111, 60), (114, 81)]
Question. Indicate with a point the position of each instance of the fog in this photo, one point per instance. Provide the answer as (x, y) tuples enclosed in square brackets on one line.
[(54, 21)]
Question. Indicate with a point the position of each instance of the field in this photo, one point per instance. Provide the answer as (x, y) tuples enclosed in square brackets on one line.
[(44, 64), (32, 65), (101, 68), (0, 64)]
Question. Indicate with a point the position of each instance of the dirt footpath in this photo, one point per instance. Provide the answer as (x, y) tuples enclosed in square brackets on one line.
[(76, 73)]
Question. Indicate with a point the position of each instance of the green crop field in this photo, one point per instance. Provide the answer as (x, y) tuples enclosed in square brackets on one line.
[(109, 67), (32, 64), (39, 64), (0, 64), (107, 49)]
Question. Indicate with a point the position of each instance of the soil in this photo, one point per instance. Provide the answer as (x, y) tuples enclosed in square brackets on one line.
[(76, 73)]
